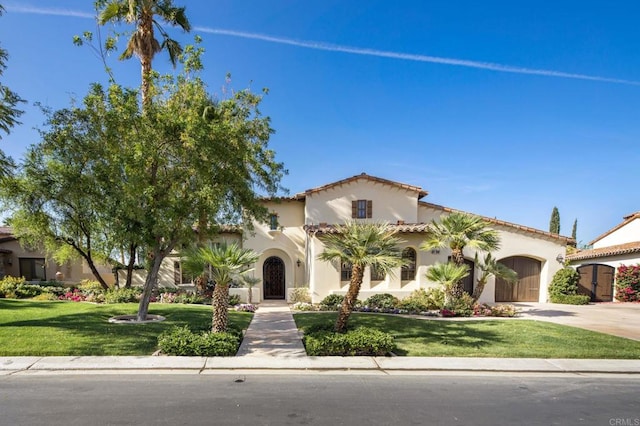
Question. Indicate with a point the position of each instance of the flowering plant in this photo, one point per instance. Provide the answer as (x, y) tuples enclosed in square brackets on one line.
[(628, 283), (246, 307)]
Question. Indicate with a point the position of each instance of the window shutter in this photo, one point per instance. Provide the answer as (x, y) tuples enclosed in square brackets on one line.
[(369, 209), (354, 209)]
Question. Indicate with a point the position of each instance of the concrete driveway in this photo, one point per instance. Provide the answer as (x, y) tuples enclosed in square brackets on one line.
[(619, 319)]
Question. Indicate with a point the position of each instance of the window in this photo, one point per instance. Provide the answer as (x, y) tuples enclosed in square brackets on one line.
[(408, 271), (273, 222), (345, 271), (33, 269), (361, 209), (376, 274)]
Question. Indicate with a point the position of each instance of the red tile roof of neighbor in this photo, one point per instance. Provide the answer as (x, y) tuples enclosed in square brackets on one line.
[(615, 250), (419, 190), (627, 219)]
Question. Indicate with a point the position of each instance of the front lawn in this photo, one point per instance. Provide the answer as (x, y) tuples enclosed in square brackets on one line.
[(508, 338), (29, 327)]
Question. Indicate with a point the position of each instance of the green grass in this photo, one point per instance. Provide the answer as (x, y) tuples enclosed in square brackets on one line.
[(29, 327), (510, 338)]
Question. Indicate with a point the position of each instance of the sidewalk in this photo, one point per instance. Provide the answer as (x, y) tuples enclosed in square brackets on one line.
[(272, 344)]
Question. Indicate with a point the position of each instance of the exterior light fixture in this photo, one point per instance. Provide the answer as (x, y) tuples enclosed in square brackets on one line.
[(435, 251), (560, 258), (298, 263)]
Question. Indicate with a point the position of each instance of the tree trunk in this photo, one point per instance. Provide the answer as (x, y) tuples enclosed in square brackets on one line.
[(220, 302), (132, 261), (96, 274), (249, 296), (477, 292), (457, 289), (357, 273), (149, 284), (146, 57)]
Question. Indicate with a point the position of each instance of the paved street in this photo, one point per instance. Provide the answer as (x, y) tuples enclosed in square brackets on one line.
[(228, 399)]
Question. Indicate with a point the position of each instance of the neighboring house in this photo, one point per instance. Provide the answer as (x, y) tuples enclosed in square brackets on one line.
[(289, 244), (33, 265), (597, 266)]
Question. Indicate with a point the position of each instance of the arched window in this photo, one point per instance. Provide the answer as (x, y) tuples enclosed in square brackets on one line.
[(408, 271), (345, 271), (376, 274)]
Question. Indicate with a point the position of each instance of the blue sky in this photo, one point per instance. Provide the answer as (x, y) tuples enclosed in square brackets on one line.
[(500, 108)]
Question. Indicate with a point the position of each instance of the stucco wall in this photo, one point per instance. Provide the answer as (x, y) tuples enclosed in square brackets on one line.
[(390, 203), (626, 234)]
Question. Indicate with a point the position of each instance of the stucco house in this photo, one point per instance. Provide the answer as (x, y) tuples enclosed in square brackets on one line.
[(289, 244), (597, 266), (34, 265)]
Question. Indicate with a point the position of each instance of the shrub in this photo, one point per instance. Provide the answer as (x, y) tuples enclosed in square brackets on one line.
[(494, 311), (361, 341), (91, 287), (332, 302), (628, 283), (422, 300), (56, 291), (570, 299), (168, 297), (565, 281), (246, 307), (462, 306), (74, 295), (188, 298), (27, 291), (303, 306), (122, 295), (46, 296), (383, 301), (300, 294), (234, 300), (182, 341), (8, 286)]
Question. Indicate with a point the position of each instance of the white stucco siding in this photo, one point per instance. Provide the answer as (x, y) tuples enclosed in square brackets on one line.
[(333, 205), (427, 214), (625, 234)]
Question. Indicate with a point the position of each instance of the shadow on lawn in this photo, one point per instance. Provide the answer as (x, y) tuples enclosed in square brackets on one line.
[(88, 331), (22, 303)]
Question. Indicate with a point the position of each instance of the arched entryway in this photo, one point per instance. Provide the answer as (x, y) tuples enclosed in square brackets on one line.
[(527, 289), (273, 278), (596, 281), (467, 282)]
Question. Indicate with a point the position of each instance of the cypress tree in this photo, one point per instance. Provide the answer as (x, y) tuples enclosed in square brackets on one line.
[(574, 230), (554, 223)]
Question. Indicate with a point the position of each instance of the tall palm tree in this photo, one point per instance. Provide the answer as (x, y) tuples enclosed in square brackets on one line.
[(456, 231), (488, 267), (448, 275), (361, 245), (194, 266), (143, 42), (227, 262)]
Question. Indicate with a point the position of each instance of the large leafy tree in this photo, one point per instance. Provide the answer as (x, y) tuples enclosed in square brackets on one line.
[(227, 262), (147, 17), (9, 111), (67, 192), (456, 231), (360, 244)]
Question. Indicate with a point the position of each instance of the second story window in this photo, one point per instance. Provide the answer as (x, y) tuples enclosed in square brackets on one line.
[(361, 209), (273, 222)]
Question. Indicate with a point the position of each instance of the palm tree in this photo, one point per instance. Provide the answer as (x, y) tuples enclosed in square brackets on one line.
[(249, 283), (194, 265), (448, 275), (490, 266), (227, 262), (361, 245), (143, 42), (456, 231)]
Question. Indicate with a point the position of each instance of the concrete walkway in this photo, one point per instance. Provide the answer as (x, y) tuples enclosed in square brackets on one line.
[(272, 333)]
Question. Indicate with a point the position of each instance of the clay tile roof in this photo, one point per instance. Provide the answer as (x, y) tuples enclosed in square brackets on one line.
[(628, 218), (626, 248), (419, 190), (512, 225)]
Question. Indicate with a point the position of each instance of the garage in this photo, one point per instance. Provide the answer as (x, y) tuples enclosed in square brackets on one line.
[(527, 289), (596, 281)]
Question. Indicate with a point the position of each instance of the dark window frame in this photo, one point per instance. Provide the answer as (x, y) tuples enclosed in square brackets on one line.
[(273, 222), (33, 268), (408, 271), (345, 271)]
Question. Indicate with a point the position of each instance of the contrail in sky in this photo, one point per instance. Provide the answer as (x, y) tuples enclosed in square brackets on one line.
[(352, 50)]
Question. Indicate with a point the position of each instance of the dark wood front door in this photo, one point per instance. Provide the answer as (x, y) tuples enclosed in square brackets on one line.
[(273, 278), (469, 280), (527, 289), (596, 281)]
